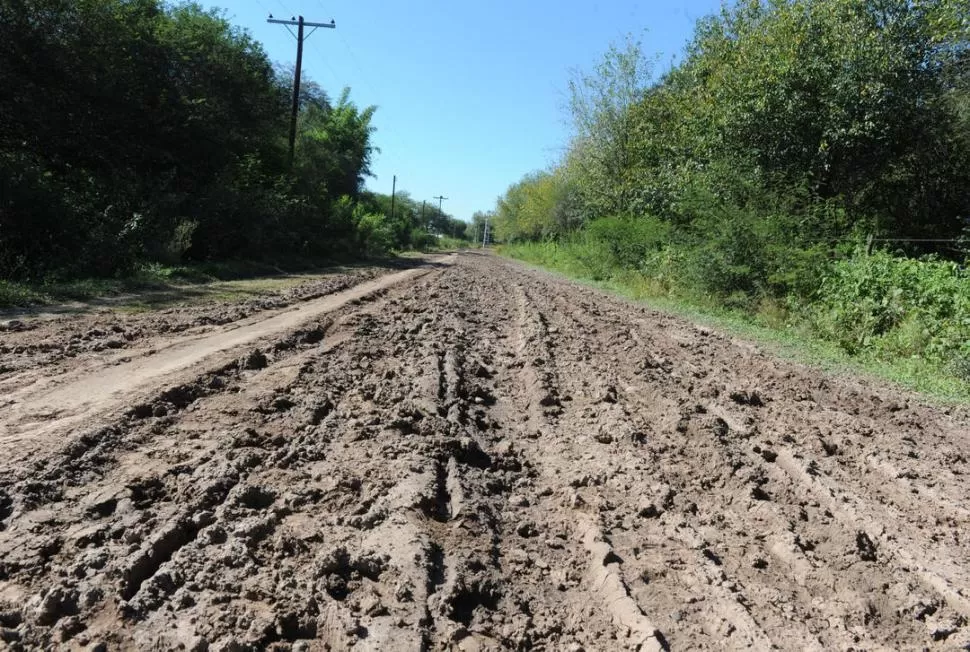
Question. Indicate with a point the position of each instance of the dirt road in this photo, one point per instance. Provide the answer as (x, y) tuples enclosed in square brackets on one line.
[(476, 456)]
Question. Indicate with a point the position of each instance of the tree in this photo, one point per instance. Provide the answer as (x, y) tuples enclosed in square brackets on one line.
[(599, 104), (157, 131), (790, 130), (845, 96)]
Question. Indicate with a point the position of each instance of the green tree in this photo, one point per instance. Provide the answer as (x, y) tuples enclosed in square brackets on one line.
[(846, 96), (157, 131), (599, 104)]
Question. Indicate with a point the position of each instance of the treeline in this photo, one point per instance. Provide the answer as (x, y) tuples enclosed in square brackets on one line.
[(793, 136), (405, 223), (135, 130)]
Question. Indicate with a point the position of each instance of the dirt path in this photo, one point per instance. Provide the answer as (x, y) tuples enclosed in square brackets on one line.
[(483, 457), (48, 406)]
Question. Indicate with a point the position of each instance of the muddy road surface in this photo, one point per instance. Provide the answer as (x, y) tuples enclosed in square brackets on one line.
[(474, 456)]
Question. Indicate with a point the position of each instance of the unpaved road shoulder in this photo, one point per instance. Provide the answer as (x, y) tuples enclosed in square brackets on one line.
[(35, 409), (487, 457)]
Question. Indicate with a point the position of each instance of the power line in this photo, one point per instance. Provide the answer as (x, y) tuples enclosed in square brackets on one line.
[(917, 240), (391, 157), (336, 76), (356, 64), (265, 8), (280, 3), (323, 58)]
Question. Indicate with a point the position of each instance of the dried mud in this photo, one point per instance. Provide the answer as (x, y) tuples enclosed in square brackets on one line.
[(61, 341), (486, 457)]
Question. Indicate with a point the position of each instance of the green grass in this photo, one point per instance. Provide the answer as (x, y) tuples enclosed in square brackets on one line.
[(769, 326)]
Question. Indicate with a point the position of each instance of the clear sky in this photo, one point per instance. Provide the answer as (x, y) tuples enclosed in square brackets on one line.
[(470, 95)]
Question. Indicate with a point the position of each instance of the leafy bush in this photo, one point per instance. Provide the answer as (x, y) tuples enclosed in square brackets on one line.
[(625, 243), (421, 240), (890, 306), (374, 234), (726, 255)]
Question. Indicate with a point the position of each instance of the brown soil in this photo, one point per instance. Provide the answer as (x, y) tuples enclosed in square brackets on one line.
[(474, 456)]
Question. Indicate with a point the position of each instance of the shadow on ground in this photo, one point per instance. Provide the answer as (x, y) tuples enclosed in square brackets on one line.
[(194, 287)]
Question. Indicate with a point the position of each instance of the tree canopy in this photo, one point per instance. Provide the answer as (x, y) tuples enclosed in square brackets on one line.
[(135, 130), (852, 115)]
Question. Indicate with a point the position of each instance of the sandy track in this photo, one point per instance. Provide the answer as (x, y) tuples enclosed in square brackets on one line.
[(41, 406), (486, 457)]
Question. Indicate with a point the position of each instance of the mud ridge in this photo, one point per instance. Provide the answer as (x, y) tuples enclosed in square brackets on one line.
[(485, 457)]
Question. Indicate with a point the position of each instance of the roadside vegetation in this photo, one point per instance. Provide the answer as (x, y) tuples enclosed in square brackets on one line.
[(141, 133), (806, 165)]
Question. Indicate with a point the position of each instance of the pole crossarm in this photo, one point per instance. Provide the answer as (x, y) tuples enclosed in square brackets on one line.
[(330, 25)]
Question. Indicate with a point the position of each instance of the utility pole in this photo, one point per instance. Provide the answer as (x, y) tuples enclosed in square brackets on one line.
[(440, 199), (393, 192), (300, 23), (485, 237)]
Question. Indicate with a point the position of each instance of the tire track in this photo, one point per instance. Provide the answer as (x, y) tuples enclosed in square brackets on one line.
[(747, 460), (488, 457), (600, 390)]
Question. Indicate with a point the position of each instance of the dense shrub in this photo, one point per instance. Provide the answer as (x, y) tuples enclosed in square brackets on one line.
[(894, 306), (374, 234), (626, 243)]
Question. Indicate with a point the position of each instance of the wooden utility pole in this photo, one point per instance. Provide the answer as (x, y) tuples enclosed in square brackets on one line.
[(393, 192), (300, 23), (440, 199)]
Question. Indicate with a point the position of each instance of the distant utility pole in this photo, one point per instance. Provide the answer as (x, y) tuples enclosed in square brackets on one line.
[(300, 23), (393, 192), (440, 199), (485, 237)]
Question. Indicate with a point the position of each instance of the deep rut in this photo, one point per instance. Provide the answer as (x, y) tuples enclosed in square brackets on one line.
[(486, 458)]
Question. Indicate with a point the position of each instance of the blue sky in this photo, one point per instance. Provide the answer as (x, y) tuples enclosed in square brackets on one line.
[(470, 95)]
